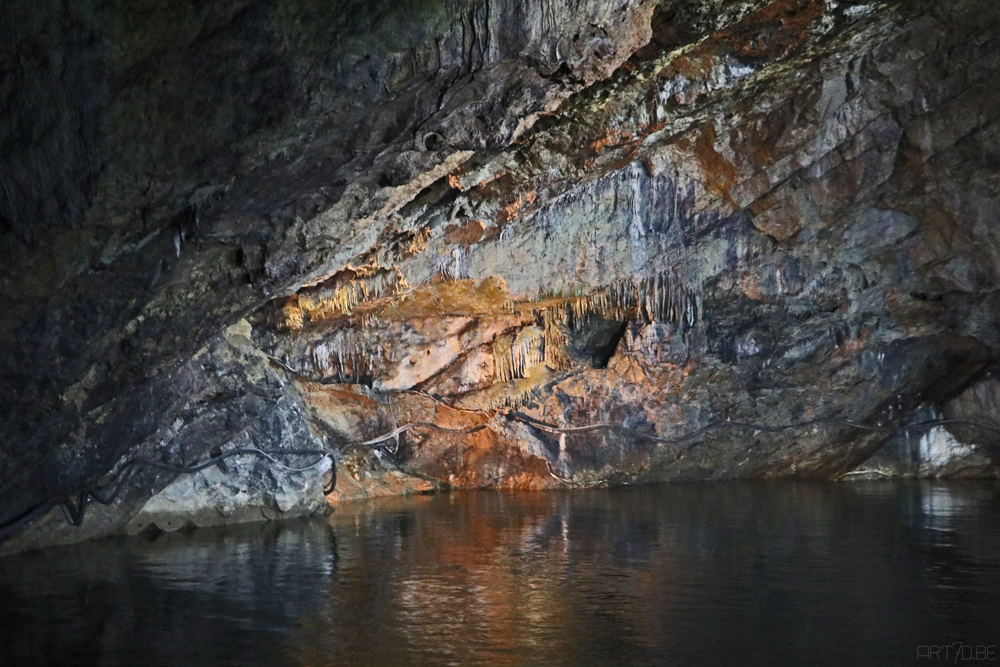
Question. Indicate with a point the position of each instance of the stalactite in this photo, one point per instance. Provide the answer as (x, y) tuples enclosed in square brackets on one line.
[(662, 297), (630, 339), (511, 401), (292, 313), (340, 296), (413, 242), (501, 358), (636, 228), (528, 350), (513, 356), (556, 339), (348, 356), (454, 266)]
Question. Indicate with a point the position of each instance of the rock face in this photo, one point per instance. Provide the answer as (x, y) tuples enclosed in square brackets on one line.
[(535, 244)]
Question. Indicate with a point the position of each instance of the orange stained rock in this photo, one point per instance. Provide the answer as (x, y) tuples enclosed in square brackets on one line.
[(335, 397), (351, 486), (692, 66), (292, 313), (770, 33), (472, 231), (458, 297), (611, 137), (511, 211), (653, 128), (420, 407), (481, 458), (718, 173), (341, 407), (774, 30), (629, 368), (750, 284)]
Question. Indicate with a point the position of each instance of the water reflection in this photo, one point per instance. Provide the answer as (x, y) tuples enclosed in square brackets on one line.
[(729, 573), (701, 572), (219, 597)]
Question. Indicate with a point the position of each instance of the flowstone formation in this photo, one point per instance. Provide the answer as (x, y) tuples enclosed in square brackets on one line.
[(305, 250)]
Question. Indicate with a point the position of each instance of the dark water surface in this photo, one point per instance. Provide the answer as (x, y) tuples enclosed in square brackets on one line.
[(734, 573)]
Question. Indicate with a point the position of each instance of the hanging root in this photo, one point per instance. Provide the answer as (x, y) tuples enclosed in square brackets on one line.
[(75, 509), (378, 440)]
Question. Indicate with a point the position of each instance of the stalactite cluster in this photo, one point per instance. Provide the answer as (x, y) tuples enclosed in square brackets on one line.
[(659, 298), (454, 266), (349, 356), (512, 400), (662, 297), (556, 338), (514, 355), (501, 358), (340, 295)]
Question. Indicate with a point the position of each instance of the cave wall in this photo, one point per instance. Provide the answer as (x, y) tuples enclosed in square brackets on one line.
[(222, 130), (558, 243)]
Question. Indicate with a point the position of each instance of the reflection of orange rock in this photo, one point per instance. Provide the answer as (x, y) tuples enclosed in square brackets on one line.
[(483, 555)]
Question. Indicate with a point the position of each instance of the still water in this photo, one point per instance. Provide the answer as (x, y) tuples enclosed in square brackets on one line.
[(735, 573)]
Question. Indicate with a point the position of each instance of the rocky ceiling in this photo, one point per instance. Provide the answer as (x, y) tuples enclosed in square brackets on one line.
[(487, 243)]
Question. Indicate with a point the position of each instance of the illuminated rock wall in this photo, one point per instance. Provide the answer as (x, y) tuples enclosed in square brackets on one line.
[(571, 243)]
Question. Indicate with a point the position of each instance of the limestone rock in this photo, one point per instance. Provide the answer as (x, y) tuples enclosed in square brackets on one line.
[(507, 244)]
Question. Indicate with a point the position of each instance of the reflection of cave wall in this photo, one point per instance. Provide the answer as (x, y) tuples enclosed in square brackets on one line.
[(295, 558)]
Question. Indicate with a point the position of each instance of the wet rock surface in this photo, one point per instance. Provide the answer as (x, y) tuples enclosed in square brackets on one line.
[(226, 398), (576, 243)]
